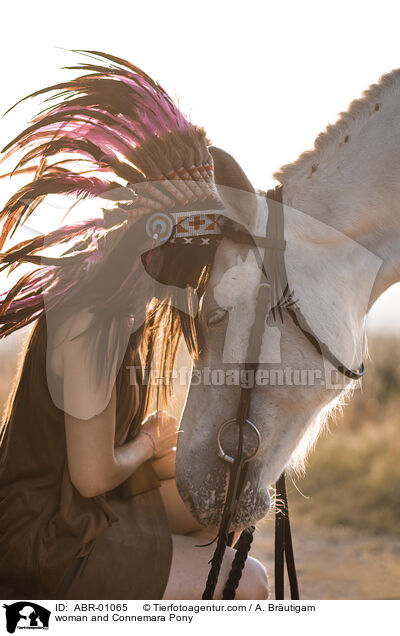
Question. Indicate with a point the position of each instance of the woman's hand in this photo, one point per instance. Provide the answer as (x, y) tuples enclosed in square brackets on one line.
[(165, 466), (163, 428)]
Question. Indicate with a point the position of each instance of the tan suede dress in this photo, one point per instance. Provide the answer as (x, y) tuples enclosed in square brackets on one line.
[(56, 544)]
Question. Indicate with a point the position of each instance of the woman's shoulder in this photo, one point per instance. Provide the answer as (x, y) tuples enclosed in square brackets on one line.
[(86, 352), (63, 334), (71, 325)]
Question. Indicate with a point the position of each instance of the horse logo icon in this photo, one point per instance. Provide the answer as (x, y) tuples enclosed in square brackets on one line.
[(26, 615)]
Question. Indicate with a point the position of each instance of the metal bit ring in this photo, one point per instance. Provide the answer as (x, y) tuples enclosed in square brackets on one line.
[(221, 453)]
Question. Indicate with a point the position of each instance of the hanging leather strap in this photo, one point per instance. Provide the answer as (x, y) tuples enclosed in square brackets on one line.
[(283, 545)]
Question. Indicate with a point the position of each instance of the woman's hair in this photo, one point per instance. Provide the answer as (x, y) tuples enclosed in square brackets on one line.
[(117, 135)]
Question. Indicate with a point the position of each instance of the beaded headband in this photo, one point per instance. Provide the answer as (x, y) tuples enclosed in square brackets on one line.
[(187, 228)]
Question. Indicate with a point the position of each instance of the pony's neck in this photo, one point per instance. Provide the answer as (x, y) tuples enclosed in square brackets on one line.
[(351, 180), (377, 229), (355, 188)]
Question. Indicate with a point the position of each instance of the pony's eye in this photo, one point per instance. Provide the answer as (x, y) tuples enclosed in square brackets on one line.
[(216, 316)]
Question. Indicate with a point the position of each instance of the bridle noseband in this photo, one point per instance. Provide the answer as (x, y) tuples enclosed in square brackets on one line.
[(270, 297)]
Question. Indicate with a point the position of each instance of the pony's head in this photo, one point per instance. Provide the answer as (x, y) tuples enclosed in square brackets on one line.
[(289, 386)]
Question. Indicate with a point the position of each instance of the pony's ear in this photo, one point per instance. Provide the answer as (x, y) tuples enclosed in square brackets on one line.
[(234, 187)]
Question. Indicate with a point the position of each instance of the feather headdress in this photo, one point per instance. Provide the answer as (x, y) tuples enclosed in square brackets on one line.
[(112, 133)]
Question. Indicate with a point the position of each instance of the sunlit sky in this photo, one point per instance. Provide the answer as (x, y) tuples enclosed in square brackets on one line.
[(263, 78)]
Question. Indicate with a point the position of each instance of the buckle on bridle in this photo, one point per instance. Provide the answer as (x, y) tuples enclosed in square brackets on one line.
[(221, 453)]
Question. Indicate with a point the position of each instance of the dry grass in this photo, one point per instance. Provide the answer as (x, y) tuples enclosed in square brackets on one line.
[(353, 476)]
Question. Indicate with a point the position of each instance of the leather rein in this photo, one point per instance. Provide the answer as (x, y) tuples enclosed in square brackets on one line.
[(271, 297)]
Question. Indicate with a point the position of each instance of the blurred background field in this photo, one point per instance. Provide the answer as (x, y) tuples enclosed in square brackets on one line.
[(353, 477), (345, 511), (346, 522)]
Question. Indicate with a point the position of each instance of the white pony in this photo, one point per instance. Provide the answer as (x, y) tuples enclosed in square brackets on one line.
[(342, 227)]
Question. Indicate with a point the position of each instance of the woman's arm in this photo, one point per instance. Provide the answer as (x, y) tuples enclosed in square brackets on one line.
[(95, 465)]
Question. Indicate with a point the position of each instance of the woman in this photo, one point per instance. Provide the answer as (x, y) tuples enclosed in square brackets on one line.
[(88, 502)]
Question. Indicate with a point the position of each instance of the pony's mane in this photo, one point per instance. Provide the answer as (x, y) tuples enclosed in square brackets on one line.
[(359, 111)]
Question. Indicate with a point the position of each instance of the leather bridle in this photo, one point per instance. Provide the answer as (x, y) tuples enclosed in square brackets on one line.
[(271, 298)]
